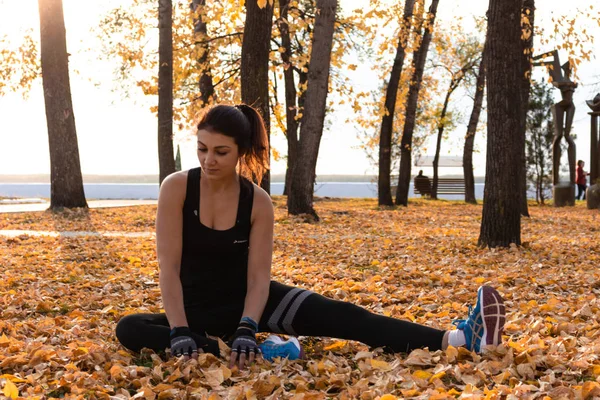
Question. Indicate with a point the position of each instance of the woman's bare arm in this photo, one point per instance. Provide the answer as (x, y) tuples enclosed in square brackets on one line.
[(169, 225)]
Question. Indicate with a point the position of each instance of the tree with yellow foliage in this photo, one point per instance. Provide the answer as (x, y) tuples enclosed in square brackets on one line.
[(384, 192), (166, 159), (458, 56), (66, 182), (300, 198), (411, 107), (254, 69)]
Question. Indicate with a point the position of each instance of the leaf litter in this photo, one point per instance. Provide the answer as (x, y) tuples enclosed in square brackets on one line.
[(61, 297)]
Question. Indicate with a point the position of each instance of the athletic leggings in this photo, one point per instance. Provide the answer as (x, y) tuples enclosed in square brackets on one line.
[(290, 311)]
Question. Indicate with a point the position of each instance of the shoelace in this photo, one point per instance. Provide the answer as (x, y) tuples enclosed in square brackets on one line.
[(471, 315)]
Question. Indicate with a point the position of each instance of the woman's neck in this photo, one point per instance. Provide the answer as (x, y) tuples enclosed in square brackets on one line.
[(220, 185)]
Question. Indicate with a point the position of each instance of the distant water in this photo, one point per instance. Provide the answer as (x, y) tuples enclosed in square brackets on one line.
[(150, 190)]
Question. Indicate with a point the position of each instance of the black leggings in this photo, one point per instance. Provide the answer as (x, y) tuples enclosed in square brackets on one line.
[(290, 311), (581, 191)]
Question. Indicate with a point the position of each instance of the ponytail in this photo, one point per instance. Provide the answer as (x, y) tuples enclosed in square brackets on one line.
[(255, 158), (245, 125)]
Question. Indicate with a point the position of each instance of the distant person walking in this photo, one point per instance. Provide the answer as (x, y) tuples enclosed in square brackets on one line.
[(581, 179)]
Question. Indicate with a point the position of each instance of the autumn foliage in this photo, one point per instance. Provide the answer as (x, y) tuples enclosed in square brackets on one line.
[(62, 296)]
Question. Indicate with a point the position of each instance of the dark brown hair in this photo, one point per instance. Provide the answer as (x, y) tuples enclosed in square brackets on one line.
[(245, 125)]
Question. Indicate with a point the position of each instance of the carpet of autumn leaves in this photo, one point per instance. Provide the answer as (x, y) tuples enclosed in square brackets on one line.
[(60, 298)]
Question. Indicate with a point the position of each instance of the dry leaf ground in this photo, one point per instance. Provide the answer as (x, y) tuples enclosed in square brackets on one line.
[(60, 299)]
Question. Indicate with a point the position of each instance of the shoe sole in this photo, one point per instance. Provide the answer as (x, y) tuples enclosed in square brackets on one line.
[(493, 314)]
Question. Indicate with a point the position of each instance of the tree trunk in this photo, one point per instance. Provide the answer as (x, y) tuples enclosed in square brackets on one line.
[(527, 24), (501, 221), (291, 110), (255, 65), (387, 122), (438, 145), (207, 90), (66, 182), (300, 199), (470, 137), (411, 109), (166, 158), (293, 146)]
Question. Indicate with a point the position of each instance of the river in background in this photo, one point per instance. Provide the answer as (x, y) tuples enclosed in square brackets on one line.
[(150, 190)]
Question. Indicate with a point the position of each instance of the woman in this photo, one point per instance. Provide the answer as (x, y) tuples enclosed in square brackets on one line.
[(581, 179), (214, 233)]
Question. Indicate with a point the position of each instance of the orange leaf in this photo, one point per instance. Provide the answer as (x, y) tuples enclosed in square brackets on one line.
[(10, 390)]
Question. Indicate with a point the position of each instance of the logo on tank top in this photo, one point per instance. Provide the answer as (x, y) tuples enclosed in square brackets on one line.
[(196, 213), (239, 241)]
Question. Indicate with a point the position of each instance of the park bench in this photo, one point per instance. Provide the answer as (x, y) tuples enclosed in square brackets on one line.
[(445, 186)]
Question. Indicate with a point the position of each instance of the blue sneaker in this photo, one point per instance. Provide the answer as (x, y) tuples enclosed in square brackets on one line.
[(486, 321), (274, 346)]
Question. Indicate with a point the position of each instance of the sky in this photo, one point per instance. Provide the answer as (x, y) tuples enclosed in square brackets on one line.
[(117, 135)]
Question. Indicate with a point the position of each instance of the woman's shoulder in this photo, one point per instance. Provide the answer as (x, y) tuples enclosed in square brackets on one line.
[(262, 202), (175, 179), (174, 185)]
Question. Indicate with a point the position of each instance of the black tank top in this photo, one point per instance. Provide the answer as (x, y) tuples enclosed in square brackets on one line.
[(214, 263)]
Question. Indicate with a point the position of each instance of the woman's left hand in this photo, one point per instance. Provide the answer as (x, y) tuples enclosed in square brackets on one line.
[(243, 344)]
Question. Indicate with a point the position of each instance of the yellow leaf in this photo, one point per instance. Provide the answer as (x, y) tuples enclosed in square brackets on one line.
[(439, 375), (214, 377), (168, 394), (226, 372), (336, 346), (590, 389), (381, 365), (14, 379), (10, 390), (115, 371), (409, 392), (388, 397), (422, 374), (451, 353)]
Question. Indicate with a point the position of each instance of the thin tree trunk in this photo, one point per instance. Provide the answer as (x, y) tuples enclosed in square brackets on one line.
[(66, 182), (293, 149), (300, 199), (207, 90), (470, 137), (436, 159), (411, 109), (387, 122), (501, 221), (541, 184), (527, 24), (166, 158), (255, 65), (291, 110)]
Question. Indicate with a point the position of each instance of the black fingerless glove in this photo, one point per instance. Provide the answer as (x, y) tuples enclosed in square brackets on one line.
[(244, 338), (184, 342)]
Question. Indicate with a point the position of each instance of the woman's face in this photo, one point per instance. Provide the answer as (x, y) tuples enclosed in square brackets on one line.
[(218, 154)]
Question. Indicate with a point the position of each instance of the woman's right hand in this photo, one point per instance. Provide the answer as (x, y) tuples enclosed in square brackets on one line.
[(186, 343), (182, 343)]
